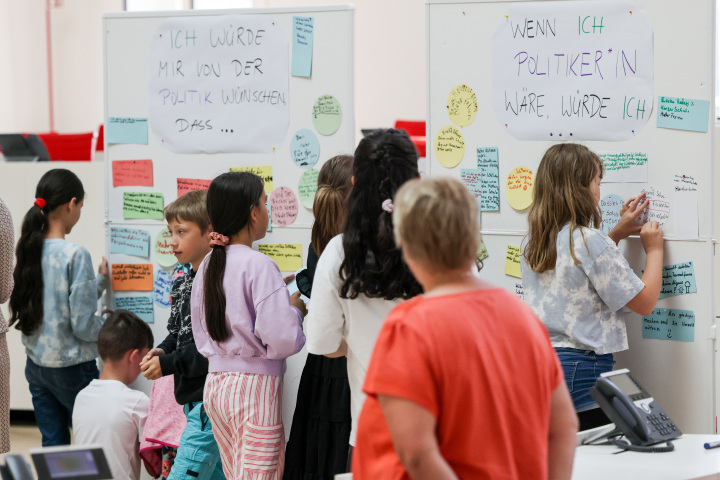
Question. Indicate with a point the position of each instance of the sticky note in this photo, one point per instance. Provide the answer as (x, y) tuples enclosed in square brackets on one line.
[(520, 290), (670, 324), (610, 206), (305, 148), (185, 185), (327, 115), (489, 166), (449, 146), (140, 305), (284, 206), (519, 188), (625, 167), (163, 251), (288, 256), (686, 206), (512, 261), (678, 279), (130, 241), (132, 276), (683, 114), (265, 172), (482, 253), (472, 178), (162, 285), (136, 173), (143, 205), (127, 130), (659, 208), (302, 46), (462, 105), (307, 187)]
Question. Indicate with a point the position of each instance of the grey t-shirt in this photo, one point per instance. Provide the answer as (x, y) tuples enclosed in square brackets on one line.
[(580, 304)]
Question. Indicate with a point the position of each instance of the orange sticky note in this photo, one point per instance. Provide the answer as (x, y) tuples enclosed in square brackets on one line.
[(132, 173), (132, 276), (185, 185)]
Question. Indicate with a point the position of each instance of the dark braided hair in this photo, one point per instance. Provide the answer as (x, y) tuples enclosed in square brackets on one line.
[(373, 265)]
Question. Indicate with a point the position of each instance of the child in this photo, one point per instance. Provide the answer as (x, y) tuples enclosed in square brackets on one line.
[(576, 279), (108, 412), (321, 424), (246, 324), (361, 275), (425, 408), (54, 304), (197, 456)]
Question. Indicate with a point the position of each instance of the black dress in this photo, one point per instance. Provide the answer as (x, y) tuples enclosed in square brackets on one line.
[(320, 432)]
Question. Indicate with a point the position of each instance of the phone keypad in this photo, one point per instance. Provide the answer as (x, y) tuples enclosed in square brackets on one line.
[(661, 423)]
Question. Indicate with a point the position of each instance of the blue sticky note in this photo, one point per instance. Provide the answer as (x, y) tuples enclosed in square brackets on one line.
[(140, 305), (472, 179), (130, 241), (302, 46), (489, 166), (269, 207), (670, 324), (678, 279), (162, 285), (683, 114), (127, 130)]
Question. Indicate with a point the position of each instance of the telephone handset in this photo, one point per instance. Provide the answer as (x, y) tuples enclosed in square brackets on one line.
[(633, 411)]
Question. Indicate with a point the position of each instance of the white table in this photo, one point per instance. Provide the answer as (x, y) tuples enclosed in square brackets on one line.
[(688, 461)]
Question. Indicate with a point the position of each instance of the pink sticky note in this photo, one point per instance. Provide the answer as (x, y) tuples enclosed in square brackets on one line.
[(185, 185), (284, 206), (132, 173)]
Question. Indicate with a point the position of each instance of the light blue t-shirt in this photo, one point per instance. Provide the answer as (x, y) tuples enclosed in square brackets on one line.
[(580, 304), (69, 330)]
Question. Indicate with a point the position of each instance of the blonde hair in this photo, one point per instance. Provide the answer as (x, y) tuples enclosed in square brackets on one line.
[(436, 221), (191, 207), (562, 194), (329, 206)]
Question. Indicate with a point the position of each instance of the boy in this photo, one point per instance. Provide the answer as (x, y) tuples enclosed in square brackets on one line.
[(198, 456), (107, 411)]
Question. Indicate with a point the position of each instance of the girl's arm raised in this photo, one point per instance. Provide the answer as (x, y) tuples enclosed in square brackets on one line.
[(652, 240)]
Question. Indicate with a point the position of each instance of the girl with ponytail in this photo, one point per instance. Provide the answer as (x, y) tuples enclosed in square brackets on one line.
[(54, 304), (246, 324), (361, 275)]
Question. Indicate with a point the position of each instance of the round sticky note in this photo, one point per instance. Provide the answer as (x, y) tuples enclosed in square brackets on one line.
[(610, 206), (305, 148), (658, 210), (519, 188), (284, 206), (449, 146), (307, 186), (327, 115), (163, 251), (462, 105)]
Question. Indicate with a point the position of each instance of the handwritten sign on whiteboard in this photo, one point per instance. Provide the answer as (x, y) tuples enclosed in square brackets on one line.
[(678, 279), (624, 167), (670, 324)]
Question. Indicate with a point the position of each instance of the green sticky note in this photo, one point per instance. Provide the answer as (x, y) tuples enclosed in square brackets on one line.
[(307, 186), (143, 205), (327, 115)]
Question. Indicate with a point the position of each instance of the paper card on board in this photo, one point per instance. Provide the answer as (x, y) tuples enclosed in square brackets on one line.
[(683, 114), (284, 206), (519, 188), (307, 187), (302, 46), (185, 185), (659, 208), (678, 279), (140, 305), (685, 200), (264, 171), (127, 130), (288, 256), (670, 324), (130, 241), (624, 167), (327, 115), (143, 205), (132, 173), (512, 261), (132, 276), (163, 251), (489, 166), (449, 146), (162, 285)]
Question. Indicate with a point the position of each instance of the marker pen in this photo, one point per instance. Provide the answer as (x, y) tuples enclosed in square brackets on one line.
[(710, 445)]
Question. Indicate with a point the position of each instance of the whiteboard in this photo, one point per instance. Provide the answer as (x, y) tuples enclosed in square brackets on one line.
[(127, 40), (681, 375)]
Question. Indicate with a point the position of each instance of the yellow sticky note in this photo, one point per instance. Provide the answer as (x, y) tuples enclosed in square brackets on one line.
[(265, 172), (288, 256), (519, 188), (512, 261), (449, 146), (462, 105)]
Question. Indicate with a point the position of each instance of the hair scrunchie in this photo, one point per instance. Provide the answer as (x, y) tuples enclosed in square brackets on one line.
[(388, 206), (218, 239), (40, 203)]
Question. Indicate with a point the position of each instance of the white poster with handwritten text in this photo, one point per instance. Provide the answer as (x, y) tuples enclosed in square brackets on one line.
[(219, 84), (573, 70)]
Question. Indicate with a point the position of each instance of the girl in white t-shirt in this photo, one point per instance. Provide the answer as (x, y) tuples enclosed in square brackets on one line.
[(361, 275)]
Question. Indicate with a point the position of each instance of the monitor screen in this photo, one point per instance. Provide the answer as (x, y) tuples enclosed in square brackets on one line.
[(626, 384), (77, 462)]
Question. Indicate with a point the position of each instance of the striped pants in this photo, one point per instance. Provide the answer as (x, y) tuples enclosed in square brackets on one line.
[(246, 414)]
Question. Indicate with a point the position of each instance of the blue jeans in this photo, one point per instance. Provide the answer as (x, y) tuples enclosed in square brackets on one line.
[(53, 393), (582, 368), (198, 456)]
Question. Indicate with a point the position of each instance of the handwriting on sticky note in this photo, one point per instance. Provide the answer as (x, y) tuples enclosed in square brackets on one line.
[(678, 279), (624, 167), (610, 207), (127, 130), (132, 276), (143, 205), (670, 324), (185, 185), (141, 305), (284, 206), (162, 287), (520, 290), (512, 261), (302, 46), (288, 256), (519, 188), (307, 187), (472, 178), (683, 114), (489, 166), (265, 172), (136, 173), (130, 241), (449, 146)]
